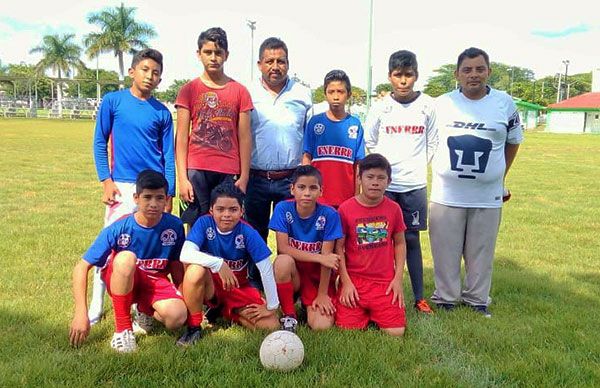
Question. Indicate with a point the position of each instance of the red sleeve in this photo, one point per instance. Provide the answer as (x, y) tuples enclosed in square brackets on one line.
[(183, 97), (245, 100)]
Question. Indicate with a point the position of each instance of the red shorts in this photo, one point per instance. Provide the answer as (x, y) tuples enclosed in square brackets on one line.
[(309, 283), (148, 288), (374, 305), (236, 298)]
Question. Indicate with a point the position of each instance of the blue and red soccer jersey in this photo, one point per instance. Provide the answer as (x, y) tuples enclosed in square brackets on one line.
[(335, 146), (307, 234), (154, 247), (236, 247)]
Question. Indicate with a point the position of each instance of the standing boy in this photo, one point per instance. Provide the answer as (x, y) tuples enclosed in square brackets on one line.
[(135, 255), (372, 254), (140, 132), (480, 133), (402, 128), (218, 146), (218, 250), (334, 143), (306, 232)]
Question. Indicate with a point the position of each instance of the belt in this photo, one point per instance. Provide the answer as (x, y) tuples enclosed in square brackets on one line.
[(273, 175)]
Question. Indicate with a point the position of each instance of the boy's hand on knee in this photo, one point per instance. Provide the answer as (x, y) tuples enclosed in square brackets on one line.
[(330, 260), (255, 312), (324, 304), (349, 295), (228, 278), (397, 293)]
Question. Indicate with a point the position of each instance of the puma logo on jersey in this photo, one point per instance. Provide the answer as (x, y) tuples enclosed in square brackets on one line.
[(477, 126)]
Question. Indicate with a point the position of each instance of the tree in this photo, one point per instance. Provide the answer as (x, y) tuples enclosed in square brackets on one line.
[(120, 33), (441, 83), (358, 95), (88, 87), (383, 88), (170, 94), (36, 83), (60, 54)]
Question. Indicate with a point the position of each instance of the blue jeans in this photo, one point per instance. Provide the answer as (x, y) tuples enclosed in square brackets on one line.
[(262, 193)]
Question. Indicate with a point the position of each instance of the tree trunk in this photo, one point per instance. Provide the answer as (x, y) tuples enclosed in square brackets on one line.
[(121, 70), (59, 93)]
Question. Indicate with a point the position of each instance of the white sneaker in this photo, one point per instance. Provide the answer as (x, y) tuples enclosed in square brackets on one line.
[(142, 323), (124, 342), (289, 323)]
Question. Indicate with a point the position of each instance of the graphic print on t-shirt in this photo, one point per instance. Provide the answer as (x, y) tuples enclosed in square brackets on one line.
[(469, 155), (214, 120), (371, 232)]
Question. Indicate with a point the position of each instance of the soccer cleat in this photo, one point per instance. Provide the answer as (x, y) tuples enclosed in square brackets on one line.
[(423, 307), (190, 337), (124, 342), (445, 306), (142, 323), (481, 309), (289, 323)]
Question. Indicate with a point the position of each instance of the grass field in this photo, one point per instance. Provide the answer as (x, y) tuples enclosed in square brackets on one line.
[(546, 287)]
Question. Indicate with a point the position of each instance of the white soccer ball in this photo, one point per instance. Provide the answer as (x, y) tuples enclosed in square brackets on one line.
[(281, 350)]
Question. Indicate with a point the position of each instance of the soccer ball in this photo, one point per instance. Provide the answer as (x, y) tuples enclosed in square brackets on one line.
[(282, 351)]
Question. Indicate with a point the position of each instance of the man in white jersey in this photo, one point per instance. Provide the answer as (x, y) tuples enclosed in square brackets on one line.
[(480, 133), (402, 128)]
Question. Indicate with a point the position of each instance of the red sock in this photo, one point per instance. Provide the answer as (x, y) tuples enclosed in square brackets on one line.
[(122, 307), (286, 298), (194, 319)]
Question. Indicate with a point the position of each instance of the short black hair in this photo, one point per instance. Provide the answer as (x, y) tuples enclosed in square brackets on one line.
[(472, 52), (337, 75), (401, 59), (148, 53), (151, 180), (226, 189), (374, 161), (306, 170), (216, 35), (272, 43)]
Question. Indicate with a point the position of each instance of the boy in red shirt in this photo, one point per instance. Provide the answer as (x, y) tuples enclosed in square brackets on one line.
[(372, 254), (219, 144)]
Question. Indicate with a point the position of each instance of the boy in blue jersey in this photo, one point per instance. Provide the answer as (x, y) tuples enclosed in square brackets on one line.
[(334, 143), (306, 232), (217, 252), (139, 131), (135, 254)]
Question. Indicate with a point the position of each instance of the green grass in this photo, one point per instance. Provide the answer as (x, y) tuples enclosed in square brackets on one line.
[(546, 287)]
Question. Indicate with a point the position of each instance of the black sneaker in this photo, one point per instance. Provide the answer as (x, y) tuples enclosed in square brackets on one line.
[(190, 337), (481, 309), (445, 306), (289, 323)]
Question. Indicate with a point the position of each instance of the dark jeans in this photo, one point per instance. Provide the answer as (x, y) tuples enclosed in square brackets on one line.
[(262, 193), (203, 183)]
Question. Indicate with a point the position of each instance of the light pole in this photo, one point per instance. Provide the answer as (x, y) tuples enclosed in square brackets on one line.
[(252, 25), (566, 63), (369, 67), (97, 82)]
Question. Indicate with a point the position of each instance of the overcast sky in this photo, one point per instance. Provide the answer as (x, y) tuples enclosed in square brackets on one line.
[(325, 34)]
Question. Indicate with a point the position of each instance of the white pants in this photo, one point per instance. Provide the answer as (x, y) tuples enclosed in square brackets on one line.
[(468, 233)]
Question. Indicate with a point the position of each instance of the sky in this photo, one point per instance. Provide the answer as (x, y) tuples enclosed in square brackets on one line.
[(322, 35)]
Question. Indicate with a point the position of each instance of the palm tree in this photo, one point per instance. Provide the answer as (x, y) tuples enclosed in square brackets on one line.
[(60, 54), (120, 33)]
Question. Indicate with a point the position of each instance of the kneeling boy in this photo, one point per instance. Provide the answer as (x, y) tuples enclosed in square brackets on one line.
[(136, 253), (217, 251), (372, 254), (306, 232)]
